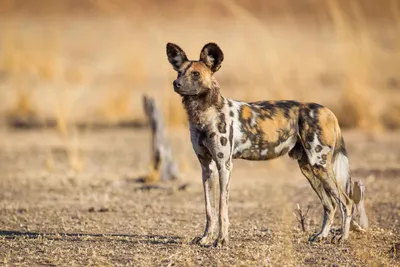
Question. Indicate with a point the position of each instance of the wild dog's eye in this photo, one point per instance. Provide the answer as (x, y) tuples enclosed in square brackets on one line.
[(195, 73)]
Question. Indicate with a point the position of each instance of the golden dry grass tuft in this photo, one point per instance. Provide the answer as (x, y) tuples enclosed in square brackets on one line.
[(23, 107)]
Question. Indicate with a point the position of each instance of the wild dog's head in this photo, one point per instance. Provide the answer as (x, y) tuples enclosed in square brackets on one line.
[(195, 77)]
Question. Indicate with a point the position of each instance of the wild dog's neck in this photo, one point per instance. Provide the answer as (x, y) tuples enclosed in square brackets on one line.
[(197, 105)]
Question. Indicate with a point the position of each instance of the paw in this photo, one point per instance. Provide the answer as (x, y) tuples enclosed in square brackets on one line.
[(316, 238), (338, 238), (196, 240), (221, 242), (202, 241)]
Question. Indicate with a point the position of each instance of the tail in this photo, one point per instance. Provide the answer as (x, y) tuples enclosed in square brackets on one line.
[(356, 190)]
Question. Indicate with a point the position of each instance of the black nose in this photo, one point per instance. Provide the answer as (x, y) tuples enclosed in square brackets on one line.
[(177, 84)]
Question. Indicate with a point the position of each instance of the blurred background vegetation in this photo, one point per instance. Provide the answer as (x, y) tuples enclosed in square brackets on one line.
[(88, 62)]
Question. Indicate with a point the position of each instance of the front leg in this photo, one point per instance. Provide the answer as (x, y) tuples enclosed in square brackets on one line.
[(209, 170), (224, 170), (219, 147)]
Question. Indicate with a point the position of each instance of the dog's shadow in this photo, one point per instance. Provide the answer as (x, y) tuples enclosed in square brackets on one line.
[(85, 237)]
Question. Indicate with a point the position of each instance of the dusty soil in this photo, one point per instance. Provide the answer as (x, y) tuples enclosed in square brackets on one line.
[(50, 215)]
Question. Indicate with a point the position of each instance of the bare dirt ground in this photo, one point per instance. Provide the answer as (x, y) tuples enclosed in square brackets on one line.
[(51, 216)]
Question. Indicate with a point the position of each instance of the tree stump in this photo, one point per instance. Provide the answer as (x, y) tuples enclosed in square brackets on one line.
[(164, 167)]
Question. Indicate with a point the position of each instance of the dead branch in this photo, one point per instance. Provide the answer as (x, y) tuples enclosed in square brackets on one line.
[(163, 164), (301, 216)]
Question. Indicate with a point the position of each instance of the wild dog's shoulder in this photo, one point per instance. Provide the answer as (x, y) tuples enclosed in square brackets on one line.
[(201, 134)]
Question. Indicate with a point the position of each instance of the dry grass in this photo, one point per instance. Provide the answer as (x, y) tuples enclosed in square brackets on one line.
[(348, 63), (98, 217), (356, 94)]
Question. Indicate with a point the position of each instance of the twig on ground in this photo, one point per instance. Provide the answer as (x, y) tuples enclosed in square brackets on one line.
[(301, 216)]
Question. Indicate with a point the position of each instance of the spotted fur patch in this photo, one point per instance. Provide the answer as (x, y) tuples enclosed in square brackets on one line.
[(223, 141), (266, 132), (222, 124)]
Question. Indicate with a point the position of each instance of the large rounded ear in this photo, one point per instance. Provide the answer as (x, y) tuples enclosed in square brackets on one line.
[(176, 56), (212, 56)]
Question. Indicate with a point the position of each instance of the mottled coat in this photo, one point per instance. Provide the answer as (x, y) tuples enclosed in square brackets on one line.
[(223, 129)]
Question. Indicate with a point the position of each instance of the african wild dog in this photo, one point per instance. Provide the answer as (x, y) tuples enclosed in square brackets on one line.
[(223, 129)]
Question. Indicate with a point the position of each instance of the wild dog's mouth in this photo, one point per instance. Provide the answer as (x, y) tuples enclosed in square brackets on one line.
[(184, 92), (189, 92), (181, 92)]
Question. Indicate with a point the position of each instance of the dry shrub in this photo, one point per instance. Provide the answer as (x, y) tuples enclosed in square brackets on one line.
[(23, 109)]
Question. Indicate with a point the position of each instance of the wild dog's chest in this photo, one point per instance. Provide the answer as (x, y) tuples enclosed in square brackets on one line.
[(214, 132)]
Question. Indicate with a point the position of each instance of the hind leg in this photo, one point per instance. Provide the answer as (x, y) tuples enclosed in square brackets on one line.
[(328, 203), (328, 180), (320, 137)]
